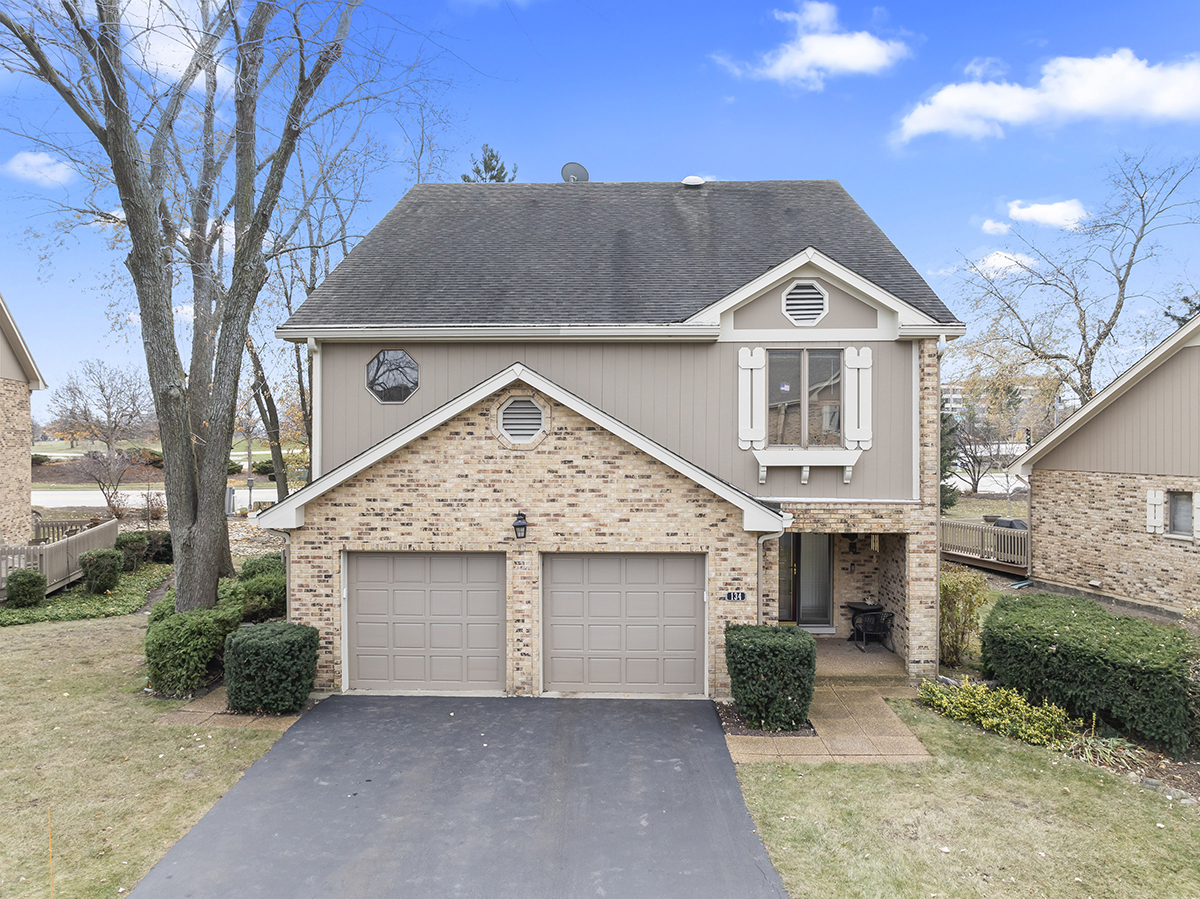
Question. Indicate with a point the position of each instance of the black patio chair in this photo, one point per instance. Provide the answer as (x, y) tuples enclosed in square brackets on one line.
[(875, 624)]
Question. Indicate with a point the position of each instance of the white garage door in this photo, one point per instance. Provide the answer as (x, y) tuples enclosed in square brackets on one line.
[(624, 623), (426, 621)]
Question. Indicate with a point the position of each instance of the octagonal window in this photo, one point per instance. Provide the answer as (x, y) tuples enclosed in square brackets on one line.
[(392, 376)]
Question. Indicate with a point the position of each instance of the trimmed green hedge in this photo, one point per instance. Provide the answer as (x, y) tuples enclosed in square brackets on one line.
[(1069, 651), (101, 569), (183, 649), (266, 597), (133, 545), (24, 588), (771, 674), (268, 563), (270, 667)]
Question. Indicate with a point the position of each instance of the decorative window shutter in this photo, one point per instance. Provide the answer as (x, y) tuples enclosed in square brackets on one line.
[(1154, 511), (857, 398), (752, 398)]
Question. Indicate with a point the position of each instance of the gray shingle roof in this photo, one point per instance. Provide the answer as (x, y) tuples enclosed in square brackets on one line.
[(595, 253)]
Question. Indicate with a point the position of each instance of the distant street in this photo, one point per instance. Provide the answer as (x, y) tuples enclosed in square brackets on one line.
[(58, 499)]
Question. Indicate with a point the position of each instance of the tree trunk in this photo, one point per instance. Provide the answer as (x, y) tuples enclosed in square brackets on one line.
[(269, 414)]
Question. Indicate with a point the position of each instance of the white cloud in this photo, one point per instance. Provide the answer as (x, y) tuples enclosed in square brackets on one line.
[(1003, 263), (39, 168), (994, 227), (185, 313), (1118, 86), (985, 67), (1066, 214), (820, 50)]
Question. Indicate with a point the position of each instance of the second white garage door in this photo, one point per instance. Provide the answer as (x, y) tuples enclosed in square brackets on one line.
[(619, 623)]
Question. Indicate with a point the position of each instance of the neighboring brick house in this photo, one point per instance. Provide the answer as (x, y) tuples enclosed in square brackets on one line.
[(564, 433), (19, 376), (1112, 489)]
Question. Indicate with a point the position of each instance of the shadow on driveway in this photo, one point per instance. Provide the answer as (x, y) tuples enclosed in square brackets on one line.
[(481, 797)]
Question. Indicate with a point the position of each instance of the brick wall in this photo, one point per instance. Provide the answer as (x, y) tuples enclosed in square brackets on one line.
[(15, 479), (459, 487), (1091, 526)]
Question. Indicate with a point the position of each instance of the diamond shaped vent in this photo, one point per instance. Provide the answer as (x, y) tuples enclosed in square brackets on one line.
[(804, 304), (521, 420)]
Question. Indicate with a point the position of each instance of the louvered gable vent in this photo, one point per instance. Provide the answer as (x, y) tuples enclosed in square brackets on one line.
[(521, 420), (804, 303)]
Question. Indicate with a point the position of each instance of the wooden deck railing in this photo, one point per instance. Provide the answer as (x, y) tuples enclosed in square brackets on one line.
[(53, 531), (1003, 549), (58, 561)]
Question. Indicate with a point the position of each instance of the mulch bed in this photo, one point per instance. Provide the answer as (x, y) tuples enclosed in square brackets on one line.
[(734, 725), (1182, 775)]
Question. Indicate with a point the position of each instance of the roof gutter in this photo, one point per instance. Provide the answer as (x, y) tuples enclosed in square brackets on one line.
[(706, 333)]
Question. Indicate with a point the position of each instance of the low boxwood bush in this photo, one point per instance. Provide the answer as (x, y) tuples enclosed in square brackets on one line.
[(264, 468), (158, 546), (1129, 671), (270, 667), (963, 593), (771, 674), (268, 563), (24, 588), (39, 459), (133, 545), (101, 569), (1001, 711), (266, 597), (184, 649)]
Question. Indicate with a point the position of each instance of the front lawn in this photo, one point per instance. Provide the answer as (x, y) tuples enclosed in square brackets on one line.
[(74, 603), (81, 742), (988, 816)]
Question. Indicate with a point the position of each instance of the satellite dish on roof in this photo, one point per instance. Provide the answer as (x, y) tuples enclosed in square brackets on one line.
[(573, 171)]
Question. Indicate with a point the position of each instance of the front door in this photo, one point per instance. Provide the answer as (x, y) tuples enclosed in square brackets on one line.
[(806, 579)]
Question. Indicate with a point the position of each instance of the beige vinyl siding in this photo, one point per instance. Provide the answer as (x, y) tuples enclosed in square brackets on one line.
[(1153, 428), (10, 366), (681, 395), (766, 312)]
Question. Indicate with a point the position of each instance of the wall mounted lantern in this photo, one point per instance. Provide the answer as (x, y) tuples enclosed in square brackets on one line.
[(520, 525)]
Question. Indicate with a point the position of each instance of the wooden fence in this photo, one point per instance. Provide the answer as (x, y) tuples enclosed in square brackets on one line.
[(973, 543), (58, 561)]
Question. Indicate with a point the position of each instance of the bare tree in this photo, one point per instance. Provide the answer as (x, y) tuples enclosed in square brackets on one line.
[(196, 119), (108, 469), (102, 402), (1059, 308)]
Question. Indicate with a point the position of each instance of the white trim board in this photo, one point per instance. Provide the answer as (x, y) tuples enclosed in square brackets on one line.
[(9, 327), (289, 514), (1186, 336)]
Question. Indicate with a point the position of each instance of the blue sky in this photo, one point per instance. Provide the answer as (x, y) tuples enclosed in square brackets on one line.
[(947, 122)]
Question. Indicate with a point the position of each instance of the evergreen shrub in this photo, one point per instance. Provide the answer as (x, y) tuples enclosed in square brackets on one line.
[(771, 674), (268, 563), (133, 545), (963, 593), (270, 667), (266, 597), (158, 547), (101, 569), (1136, 674), (1001, 711), (184, 649), (24, 588)]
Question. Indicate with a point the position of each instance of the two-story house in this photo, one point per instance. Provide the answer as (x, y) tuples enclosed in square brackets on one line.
[(564, 433), (19, 377)]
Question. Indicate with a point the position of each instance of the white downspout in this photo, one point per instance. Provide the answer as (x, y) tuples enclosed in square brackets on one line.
[(758, 585)]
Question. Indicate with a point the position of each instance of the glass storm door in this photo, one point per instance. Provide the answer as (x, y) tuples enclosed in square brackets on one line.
[(806, 579)]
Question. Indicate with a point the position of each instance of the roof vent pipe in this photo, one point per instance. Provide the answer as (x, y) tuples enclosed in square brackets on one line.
[(693, 181)]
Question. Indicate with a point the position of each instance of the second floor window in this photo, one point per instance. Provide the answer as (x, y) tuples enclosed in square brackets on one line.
[(804, 397)]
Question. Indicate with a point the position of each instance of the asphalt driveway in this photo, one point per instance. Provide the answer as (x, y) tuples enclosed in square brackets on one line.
[(489, 797)]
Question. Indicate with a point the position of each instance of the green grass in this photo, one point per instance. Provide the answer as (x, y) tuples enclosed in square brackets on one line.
[(82, 742), (976, 507), (74, 603), (988, 816)]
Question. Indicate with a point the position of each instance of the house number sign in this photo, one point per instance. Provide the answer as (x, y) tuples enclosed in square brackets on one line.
[(735, 596)]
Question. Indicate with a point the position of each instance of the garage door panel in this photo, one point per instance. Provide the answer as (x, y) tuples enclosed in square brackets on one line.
[(603, 638), (604, 604), (426, 621), (618, 623), (484, 604), (408, 635), (641, 638), (373, 601), (642, 605)]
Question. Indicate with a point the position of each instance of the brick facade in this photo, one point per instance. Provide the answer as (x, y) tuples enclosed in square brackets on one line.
[(15, 478), (1091, 526), (458, 488)]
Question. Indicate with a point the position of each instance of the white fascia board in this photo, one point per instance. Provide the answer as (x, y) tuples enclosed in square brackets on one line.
[(1188, 335), (507, 333), (949, 332), (756, 516), (9, 326), (909, 315)]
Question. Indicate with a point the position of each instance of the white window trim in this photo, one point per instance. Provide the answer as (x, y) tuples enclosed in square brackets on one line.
[(1183, 536)]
